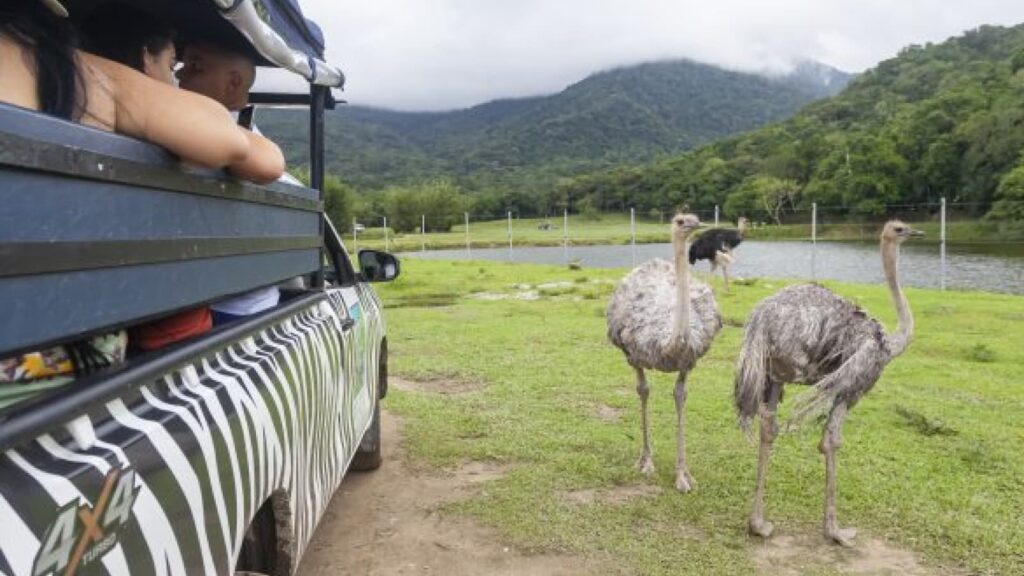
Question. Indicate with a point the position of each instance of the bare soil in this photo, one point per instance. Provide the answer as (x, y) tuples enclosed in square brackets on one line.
[(446, 386), (389, 522), (795, 555)]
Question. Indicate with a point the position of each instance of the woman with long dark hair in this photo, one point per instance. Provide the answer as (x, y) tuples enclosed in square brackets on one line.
[(147, 45), (38, 65)]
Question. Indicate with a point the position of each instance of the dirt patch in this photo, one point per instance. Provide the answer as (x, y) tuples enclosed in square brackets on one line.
[(609, 414), (446, 386), (796, 555), (494, 296), (389, 522), (617, 495), (474, 472)]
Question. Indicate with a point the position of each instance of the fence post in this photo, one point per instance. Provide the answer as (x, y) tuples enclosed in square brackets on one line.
[(632, 233), (716, 214), (386, 244), (355, 236), (510, 235), (423, 232), (814, 240), (942, 242), (467, 236), (565, 235)]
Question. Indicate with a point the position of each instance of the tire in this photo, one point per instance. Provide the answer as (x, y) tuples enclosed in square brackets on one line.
[(368, 454)]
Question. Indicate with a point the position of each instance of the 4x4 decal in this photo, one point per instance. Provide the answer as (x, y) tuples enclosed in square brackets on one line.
[(82, 533)]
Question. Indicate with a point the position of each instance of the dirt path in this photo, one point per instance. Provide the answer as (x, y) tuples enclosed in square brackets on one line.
[(388, 522)]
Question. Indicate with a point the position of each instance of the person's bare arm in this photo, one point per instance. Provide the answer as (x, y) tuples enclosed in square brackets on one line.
[(265, 162), (192, 126)]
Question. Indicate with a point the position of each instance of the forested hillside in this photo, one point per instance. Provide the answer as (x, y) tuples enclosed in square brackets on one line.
[(942, 120), (524, 146)]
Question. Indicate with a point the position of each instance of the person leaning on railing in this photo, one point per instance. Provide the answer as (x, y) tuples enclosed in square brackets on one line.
[(226, 75), (42, 69)]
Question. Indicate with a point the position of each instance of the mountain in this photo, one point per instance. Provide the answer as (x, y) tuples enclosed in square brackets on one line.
[(817, 78), (625, 115), (939, 120)]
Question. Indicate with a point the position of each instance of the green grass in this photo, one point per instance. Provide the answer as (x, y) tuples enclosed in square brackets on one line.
[(932, 460), (615, 229)]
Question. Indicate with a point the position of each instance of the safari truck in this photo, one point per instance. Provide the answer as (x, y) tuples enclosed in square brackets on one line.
[(218, 454)]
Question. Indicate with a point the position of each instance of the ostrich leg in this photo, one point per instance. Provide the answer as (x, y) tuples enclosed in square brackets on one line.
[(684, 481), (645, 463), (724, 259), (769, 430), (830, 441)]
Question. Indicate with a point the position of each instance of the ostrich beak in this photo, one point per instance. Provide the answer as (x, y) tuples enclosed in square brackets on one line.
[(916, 232)]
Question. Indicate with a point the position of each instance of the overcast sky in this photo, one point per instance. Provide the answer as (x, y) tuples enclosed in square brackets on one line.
[(444, 54)]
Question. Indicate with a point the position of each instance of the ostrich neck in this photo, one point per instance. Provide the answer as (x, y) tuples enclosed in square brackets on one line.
[(682, 316), (899, 339)]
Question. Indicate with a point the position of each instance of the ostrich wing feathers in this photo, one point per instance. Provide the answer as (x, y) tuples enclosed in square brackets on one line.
[(640, 318)]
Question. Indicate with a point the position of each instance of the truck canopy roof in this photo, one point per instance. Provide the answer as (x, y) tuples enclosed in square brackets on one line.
[(274, 32)]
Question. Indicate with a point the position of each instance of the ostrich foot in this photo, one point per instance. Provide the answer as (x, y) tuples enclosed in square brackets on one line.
[(760, 528), (645, 465), (842, 536), (684, 481)]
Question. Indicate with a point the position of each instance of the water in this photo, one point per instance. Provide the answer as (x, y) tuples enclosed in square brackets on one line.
[(993, 268)]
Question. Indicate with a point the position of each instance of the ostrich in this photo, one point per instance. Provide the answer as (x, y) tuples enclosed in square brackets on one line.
[(808, 334), (663, 320), (716, 246)]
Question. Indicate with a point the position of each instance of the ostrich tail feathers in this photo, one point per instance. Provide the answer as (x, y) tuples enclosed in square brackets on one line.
[(751, 377)]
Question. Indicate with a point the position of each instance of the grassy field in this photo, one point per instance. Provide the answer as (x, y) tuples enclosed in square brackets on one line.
[(615, 229), (932, 461)]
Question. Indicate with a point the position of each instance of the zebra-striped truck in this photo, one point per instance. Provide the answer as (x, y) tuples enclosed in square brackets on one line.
[(218, 454)]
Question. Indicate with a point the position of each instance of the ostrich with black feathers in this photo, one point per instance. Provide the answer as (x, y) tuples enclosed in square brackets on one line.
[(716, 246)]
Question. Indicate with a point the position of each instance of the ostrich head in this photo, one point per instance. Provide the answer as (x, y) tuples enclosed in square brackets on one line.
[(896, 231), (683, 226), (742, 223)]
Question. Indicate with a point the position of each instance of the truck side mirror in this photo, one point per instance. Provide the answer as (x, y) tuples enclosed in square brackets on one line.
[(378, 266)]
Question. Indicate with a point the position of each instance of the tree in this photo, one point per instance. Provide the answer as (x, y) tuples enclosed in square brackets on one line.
[(762, 196), (1010, 196), (340, 199), (439, 201)]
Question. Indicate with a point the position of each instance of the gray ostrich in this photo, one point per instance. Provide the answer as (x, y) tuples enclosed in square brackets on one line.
[(662, 319), (808, 334)]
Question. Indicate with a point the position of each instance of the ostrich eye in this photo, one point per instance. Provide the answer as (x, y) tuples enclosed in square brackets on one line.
[(899, 228)]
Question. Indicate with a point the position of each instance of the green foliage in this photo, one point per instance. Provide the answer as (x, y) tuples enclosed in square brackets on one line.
[(762, 197), (513, 154), (941, 120), (439, 201), (1009, 203), (340, 199)]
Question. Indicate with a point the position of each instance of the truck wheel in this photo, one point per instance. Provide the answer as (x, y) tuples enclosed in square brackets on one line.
[(368, 455)]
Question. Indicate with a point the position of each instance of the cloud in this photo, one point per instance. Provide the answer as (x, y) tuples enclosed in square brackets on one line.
[(443, 54)]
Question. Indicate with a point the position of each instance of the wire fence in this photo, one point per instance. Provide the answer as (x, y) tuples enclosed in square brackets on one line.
[(944, 223)]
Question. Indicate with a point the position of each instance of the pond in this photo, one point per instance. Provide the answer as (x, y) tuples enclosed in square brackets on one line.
[(993, 268)]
